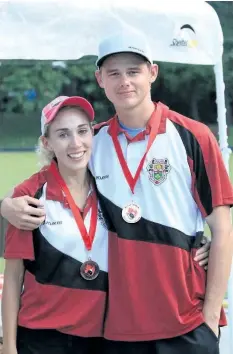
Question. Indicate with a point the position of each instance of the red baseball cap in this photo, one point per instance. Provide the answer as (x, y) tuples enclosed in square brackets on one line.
[(50, 111)]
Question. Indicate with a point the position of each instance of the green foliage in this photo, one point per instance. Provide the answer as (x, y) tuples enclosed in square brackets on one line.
[(187, 88), (19, 76)]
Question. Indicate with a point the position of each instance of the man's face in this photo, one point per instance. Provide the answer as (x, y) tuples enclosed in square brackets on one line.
[(126, 79)]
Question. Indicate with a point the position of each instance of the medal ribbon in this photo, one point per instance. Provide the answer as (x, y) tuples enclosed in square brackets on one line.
[(153, 133), (87, 238)]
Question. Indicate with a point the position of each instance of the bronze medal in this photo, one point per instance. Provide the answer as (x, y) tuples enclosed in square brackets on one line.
[(89, 270)]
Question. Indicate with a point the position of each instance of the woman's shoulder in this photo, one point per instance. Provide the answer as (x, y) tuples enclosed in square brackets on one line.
[(31, 185)]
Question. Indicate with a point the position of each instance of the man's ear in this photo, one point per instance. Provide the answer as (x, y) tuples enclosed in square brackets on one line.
[(98, 76), (154, 72)]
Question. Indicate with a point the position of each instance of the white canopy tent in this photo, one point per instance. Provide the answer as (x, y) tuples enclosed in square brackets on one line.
[(180, 32)]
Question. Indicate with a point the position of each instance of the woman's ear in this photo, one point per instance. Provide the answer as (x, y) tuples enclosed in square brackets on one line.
[(46, 144)]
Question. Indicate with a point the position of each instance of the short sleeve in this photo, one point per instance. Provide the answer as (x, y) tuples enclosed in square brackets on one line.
[(212, 180), (19, 243)]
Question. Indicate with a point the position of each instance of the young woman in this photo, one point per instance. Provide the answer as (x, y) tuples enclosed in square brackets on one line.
[(55, 280)]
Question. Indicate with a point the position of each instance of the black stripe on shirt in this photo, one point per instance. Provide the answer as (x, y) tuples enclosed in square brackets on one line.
[(148, 231), (194, 152), (52, 267)]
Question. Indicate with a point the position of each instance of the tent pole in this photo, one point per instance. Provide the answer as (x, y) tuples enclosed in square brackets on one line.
[(222, 125), (223, 142)]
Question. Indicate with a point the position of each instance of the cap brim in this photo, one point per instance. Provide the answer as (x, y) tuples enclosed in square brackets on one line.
[(75, 101)]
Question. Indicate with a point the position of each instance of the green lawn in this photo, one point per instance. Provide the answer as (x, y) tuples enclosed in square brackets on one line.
[(18, 166), (15, 167), (1, 265)]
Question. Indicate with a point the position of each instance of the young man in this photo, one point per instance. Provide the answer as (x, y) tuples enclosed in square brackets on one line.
[(161, 177)]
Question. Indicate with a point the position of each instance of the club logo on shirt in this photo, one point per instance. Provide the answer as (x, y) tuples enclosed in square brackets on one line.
[(158, 170)]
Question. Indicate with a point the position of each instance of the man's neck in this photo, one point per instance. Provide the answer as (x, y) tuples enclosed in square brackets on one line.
[(137, 117)]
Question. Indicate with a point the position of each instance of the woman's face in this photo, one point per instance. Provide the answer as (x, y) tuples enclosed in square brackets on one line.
[(70, 138)]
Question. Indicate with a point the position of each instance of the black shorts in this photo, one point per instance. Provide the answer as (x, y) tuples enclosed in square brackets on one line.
[(49, 341), (202, 340)]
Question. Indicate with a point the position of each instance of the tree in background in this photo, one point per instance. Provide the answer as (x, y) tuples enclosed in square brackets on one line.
[(26, 86)]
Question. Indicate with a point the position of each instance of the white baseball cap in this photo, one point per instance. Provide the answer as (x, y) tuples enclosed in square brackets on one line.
[(50, 111), (126, 40)]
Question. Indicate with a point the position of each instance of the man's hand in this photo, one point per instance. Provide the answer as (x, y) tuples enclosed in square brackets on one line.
[(202, 254), (6, 349), (25, 213)]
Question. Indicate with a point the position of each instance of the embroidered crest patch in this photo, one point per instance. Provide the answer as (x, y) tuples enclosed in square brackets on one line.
[(158, 170)]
